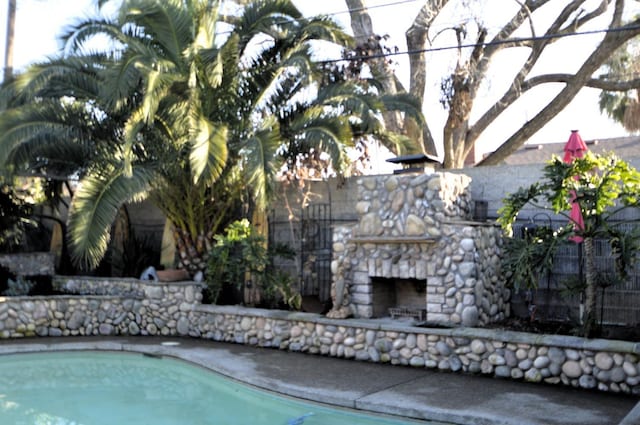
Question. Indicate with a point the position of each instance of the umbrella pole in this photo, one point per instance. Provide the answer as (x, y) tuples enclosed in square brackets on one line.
[(581, 280)]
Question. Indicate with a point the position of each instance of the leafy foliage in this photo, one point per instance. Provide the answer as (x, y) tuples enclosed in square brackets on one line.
[(529, 257), (14, 218), (240, 255), (199, 123), (602, 186), (625, 249), (19, 287)]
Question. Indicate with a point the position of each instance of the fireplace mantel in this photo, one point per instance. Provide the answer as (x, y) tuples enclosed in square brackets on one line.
[(394, 239)]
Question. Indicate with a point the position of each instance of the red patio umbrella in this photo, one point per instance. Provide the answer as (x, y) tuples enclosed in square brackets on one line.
[(575, 148)]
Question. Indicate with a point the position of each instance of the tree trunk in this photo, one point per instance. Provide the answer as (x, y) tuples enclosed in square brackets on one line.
[(589, 316), (362, 28), (193, 253), (10, 40), (417, 36)]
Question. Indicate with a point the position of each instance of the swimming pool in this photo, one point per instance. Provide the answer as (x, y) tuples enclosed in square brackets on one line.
[(107, 388)]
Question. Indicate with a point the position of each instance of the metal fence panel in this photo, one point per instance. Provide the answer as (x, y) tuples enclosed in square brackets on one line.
[(617, 304)]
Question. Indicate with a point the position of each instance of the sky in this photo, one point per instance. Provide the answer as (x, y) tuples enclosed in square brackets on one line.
[(40, 22)]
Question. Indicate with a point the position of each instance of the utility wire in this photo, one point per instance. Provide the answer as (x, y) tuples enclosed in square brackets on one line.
[(341, 12), (360, 9), (452, 47), (488, 44)]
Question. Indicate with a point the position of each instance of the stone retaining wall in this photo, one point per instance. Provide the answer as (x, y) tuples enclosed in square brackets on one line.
[(174, 309), (106, 307), (553, 359), (29, 264)]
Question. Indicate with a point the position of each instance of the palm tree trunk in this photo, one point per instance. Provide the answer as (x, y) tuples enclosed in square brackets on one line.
[(193, 253), (10, 40), (589, 315)]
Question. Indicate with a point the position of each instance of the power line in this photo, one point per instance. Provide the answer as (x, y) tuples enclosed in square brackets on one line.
[(360, 9), (488, 44), (341, 12), (452, 47)]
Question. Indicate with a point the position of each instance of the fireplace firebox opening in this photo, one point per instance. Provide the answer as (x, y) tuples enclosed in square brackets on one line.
[(399, 297)]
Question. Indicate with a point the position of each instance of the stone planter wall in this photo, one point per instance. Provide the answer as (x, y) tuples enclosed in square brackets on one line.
[(107, 307), (29, 264), (173, 309)]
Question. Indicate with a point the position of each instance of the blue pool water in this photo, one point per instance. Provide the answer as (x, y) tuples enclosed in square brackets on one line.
[(102, 388)]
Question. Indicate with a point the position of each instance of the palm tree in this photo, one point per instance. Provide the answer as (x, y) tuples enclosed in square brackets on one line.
[(191, 107), (9, 40), (623, 106)]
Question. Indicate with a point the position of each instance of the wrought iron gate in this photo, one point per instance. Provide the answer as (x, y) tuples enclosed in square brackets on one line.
[(311, 238), (315, 251)]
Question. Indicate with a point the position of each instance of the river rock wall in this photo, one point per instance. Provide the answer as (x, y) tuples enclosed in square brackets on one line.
[(103, 307), (418, 226), (551, 359), (175, 309)]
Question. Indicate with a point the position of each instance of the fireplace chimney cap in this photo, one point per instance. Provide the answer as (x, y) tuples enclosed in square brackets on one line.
[(414, 163), (419, 158)]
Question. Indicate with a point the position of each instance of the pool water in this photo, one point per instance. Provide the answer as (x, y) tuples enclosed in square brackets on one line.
[(104, 388)]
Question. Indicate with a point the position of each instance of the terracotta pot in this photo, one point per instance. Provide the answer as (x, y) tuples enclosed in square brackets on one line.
[(173, 275)]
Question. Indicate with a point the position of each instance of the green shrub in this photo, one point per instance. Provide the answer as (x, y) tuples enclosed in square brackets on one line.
[(20, 287), (240, 256)]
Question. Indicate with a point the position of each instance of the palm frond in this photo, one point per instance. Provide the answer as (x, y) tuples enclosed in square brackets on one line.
[(209, 148), (317, 131), (325, 29), (75, 37), (24, 129), (207, 14), (298, 60), (259, 161), (94, 208), (405, 103), (158, 82), (168, 23), (264, 17), (396, 142), (121, 79), (69, 75), (351, 97), (229, 55)]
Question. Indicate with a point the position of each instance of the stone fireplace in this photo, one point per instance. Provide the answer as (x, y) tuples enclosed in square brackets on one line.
[(416, 252)]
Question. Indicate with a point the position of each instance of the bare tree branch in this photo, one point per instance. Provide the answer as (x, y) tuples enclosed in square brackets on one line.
[(610, 43), (479, 70), (519, 85), (417, 36), (472, 69), (596, 83)]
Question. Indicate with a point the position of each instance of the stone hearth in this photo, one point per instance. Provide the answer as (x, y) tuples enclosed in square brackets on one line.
[(418, 227)]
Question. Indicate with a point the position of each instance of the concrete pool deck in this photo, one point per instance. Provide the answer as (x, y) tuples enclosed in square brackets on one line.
[(410, 392)]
